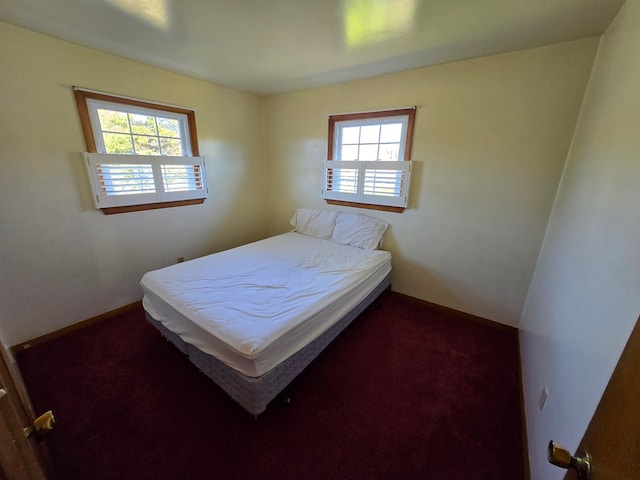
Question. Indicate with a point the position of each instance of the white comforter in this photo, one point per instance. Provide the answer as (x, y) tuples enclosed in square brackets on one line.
[(255, 305)]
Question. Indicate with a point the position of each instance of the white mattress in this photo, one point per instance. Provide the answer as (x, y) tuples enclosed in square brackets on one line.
[(254, 306)]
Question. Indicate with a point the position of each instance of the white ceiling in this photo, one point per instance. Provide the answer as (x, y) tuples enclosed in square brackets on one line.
[(276, 46)]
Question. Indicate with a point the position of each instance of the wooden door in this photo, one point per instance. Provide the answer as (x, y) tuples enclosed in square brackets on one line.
[(21, 458), (613, 435)]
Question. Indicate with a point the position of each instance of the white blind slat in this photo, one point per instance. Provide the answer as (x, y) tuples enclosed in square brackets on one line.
[(125, 179)]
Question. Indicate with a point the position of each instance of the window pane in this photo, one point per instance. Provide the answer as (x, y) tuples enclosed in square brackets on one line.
[(113, 121), (350, 135), (349, 152), (170, 146), (368, 152), (144, 124), (391, 133), (117, 143), (389, 151), (146, 145), (370, 134), (168, 127)]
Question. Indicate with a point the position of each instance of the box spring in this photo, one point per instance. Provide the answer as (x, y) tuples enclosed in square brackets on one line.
[(255, 393)]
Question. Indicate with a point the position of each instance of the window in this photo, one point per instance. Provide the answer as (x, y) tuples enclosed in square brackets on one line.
[(368, 163), (140, 155)]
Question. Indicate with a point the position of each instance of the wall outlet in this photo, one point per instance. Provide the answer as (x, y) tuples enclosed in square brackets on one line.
[(180, 259), (543, 397)]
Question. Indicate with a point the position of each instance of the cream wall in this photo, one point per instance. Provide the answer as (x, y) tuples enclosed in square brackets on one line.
[(62, 261), (585, 294), (491, 139)]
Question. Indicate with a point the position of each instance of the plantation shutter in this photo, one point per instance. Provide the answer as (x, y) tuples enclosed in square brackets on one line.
[(375, 182), (119, 180)]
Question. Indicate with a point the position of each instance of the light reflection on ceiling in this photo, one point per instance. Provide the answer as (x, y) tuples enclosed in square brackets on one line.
[(153, 12), (368, 22)]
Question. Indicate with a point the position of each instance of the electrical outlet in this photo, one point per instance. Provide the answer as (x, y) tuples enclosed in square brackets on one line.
[(180, 259), (543, 397)]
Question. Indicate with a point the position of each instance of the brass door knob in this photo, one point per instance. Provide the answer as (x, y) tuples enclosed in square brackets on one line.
[(42, 424), (560, 457)]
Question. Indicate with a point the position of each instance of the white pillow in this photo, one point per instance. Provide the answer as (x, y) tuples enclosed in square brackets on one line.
[(359, 231), (317, 223)]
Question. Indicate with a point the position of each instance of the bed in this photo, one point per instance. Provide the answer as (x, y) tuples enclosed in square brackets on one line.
[(253, 317)]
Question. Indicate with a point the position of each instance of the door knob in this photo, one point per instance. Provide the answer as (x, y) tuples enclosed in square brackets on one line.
[(42, 424), (560, 457)]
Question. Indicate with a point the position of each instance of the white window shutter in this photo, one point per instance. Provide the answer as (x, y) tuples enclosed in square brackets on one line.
[(123, 180), (376, 182)]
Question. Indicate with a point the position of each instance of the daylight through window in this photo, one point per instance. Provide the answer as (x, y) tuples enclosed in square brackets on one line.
[(140, 155), (368, 164)]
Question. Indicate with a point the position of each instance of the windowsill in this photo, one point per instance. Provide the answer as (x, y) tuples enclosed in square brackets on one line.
[(370, 206), (150, 206)]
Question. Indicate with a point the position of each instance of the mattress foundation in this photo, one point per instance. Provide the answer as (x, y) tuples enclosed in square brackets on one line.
[(255, 393)]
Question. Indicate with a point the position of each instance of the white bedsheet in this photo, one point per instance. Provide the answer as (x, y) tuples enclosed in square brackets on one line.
[(253, 306)]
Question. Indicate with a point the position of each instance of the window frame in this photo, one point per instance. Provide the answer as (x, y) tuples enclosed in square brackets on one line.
[(84, 97), (363, 118)]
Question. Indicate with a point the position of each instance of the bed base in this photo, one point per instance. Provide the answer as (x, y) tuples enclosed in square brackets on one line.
[(255, 393)]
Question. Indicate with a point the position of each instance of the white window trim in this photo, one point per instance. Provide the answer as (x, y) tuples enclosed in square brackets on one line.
[(103, 200)]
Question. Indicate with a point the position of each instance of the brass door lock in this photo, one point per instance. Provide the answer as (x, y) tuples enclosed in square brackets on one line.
[(41, 425), (560, 457)]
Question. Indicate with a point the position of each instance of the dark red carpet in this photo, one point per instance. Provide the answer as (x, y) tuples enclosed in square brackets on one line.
[(406, 392)]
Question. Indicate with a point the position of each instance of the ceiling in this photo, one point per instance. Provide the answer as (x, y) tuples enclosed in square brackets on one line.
[(275, 46)]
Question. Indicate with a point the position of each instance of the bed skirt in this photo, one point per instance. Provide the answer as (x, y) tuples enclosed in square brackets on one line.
[(255, 393)]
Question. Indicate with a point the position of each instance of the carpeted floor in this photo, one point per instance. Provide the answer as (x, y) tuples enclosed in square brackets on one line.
[(406, 392)]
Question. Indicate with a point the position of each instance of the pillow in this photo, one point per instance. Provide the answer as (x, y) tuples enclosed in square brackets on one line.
[(317, 223), (359, 231)]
